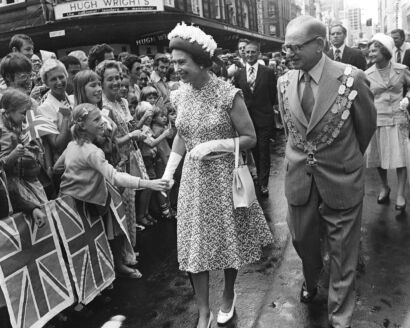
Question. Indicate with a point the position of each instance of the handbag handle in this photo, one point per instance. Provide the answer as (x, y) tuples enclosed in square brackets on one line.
[(236, 142)]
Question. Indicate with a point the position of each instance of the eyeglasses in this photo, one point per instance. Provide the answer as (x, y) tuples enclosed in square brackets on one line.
[(297, 47)]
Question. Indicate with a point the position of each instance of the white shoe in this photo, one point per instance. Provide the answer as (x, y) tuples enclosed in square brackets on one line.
[(224, 317)]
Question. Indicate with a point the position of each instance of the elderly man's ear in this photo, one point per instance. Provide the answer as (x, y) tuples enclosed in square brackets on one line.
[(322, 44)]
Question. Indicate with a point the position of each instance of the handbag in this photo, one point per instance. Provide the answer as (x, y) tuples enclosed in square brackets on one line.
[(243, 189)]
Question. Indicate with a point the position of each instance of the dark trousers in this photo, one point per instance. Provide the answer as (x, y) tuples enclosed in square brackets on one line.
[(261, 153)]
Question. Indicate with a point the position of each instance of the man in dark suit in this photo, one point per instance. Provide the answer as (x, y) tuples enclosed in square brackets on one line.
[(342, 53), (258, 84)]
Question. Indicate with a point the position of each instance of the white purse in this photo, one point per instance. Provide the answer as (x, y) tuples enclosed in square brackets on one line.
[(243, 189)]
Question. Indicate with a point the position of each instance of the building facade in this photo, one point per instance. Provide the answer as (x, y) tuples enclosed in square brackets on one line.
[(276, 15), (138, 26)]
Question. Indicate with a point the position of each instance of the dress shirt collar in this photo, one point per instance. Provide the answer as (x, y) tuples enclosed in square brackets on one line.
[(341, 48), (255, 66), (316, 71)]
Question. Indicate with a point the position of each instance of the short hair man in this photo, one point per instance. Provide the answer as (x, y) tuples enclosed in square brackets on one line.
[(22, 43), (341, 52), (324, 181), (400, 51), (99, 53), (73, 66), (258, 84), (158, 76)]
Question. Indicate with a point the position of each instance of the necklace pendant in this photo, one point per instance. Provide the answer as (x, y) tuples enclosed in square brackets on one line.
[(311, 160)]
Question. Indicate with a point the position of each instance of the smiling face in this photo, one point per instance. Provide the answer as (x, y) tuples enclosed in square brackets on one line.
[(125, 87), (112, 83), (162, 68), (94, 125), (184, 65), (56, 80), (93, 91), (375, 55)]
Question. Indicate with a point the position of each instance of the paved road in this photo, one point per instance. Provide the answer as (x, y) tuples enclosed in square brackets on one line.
[(383, 298), (268, 292)]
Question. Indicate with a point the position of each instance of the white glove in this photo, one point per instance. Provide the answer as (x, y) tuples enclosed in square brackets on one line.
[(205, 148), (173, 162)]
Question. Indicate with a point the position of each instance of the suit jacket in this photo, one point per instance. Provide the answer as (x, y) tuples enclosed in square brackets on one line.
[(339, 171), (351, 56), (387, 96), (259, 102), (406, 58)]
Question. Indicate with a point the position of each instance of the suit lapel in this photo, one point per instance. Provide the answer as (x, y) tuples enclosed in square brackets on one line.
[(394, 74), (327, 93), (294, 101), (244, 80), (258, 76), (346, 55), (374, 76)]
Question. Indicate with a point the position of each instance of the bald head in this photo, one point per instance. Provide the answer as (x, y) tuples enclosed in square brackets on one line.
[(304, 42), (307, 27)]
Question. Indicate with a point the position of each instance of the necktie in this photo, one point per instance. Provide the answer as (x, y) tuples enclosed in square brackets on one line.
[(337, 55), (308, 100), (252, 78), (398, 56)]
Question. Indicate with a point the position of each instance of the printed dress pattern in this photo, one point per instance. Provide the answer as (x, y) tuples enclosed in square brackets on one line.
[(212, 235)]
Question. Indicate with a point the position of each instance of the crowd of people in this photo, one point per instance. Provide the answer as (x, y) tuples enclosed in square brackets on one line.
[(134, 120)]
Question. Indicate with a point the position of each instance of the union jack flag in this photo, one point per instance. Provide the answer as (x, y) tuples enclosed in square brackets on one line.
[(85, 241), (118, 208), (33, 276), (37, 126)]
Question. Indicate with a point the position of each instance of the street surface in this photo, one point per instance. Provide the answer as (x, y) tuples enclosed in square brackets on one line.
[(268, 291)]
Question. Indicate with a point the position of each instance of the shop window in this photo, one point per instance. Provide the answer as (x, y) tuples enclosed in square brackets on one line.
[(245, 14), (197, 7), (272, 29), (215, 9)]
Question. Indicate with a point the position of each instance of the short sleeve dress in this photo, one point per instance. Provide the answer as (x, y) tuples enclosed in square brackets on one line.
[(211, 234)]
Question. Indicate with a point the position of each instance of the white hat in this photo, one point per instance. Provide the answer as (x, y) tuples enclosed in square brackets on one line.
[(386, 40)]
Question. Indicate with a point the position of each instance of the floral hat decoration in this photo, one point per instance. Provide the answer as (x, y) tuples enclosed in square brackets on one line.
[(192, 40)]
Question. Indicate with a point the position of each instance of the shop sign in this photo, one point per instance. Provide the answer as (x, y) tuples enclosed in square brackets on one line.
[(99, 7), (150, 39)]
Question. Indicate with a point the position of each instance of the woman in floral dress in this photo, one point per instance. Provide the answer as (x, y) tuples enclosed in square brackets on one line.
[(212, 235), (116, 108)]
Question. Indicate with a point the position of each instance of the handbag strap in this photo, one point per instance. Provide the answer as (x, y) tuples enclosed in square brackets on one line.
[(236, 142)]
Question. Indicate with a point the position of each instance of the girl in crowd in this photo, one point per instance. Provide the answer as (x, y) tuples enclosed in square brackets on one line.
[(387, 150), (19, 158), (211, 234), (85, 171), (149, 151)]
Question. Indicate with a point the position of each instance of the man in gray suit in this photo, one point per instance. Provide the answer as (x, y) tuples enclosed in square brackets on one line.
[(329, 115)]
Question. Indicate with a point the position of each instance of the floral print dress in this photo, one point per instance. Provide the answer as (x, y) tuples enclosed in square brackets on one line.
[(211, 234)]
